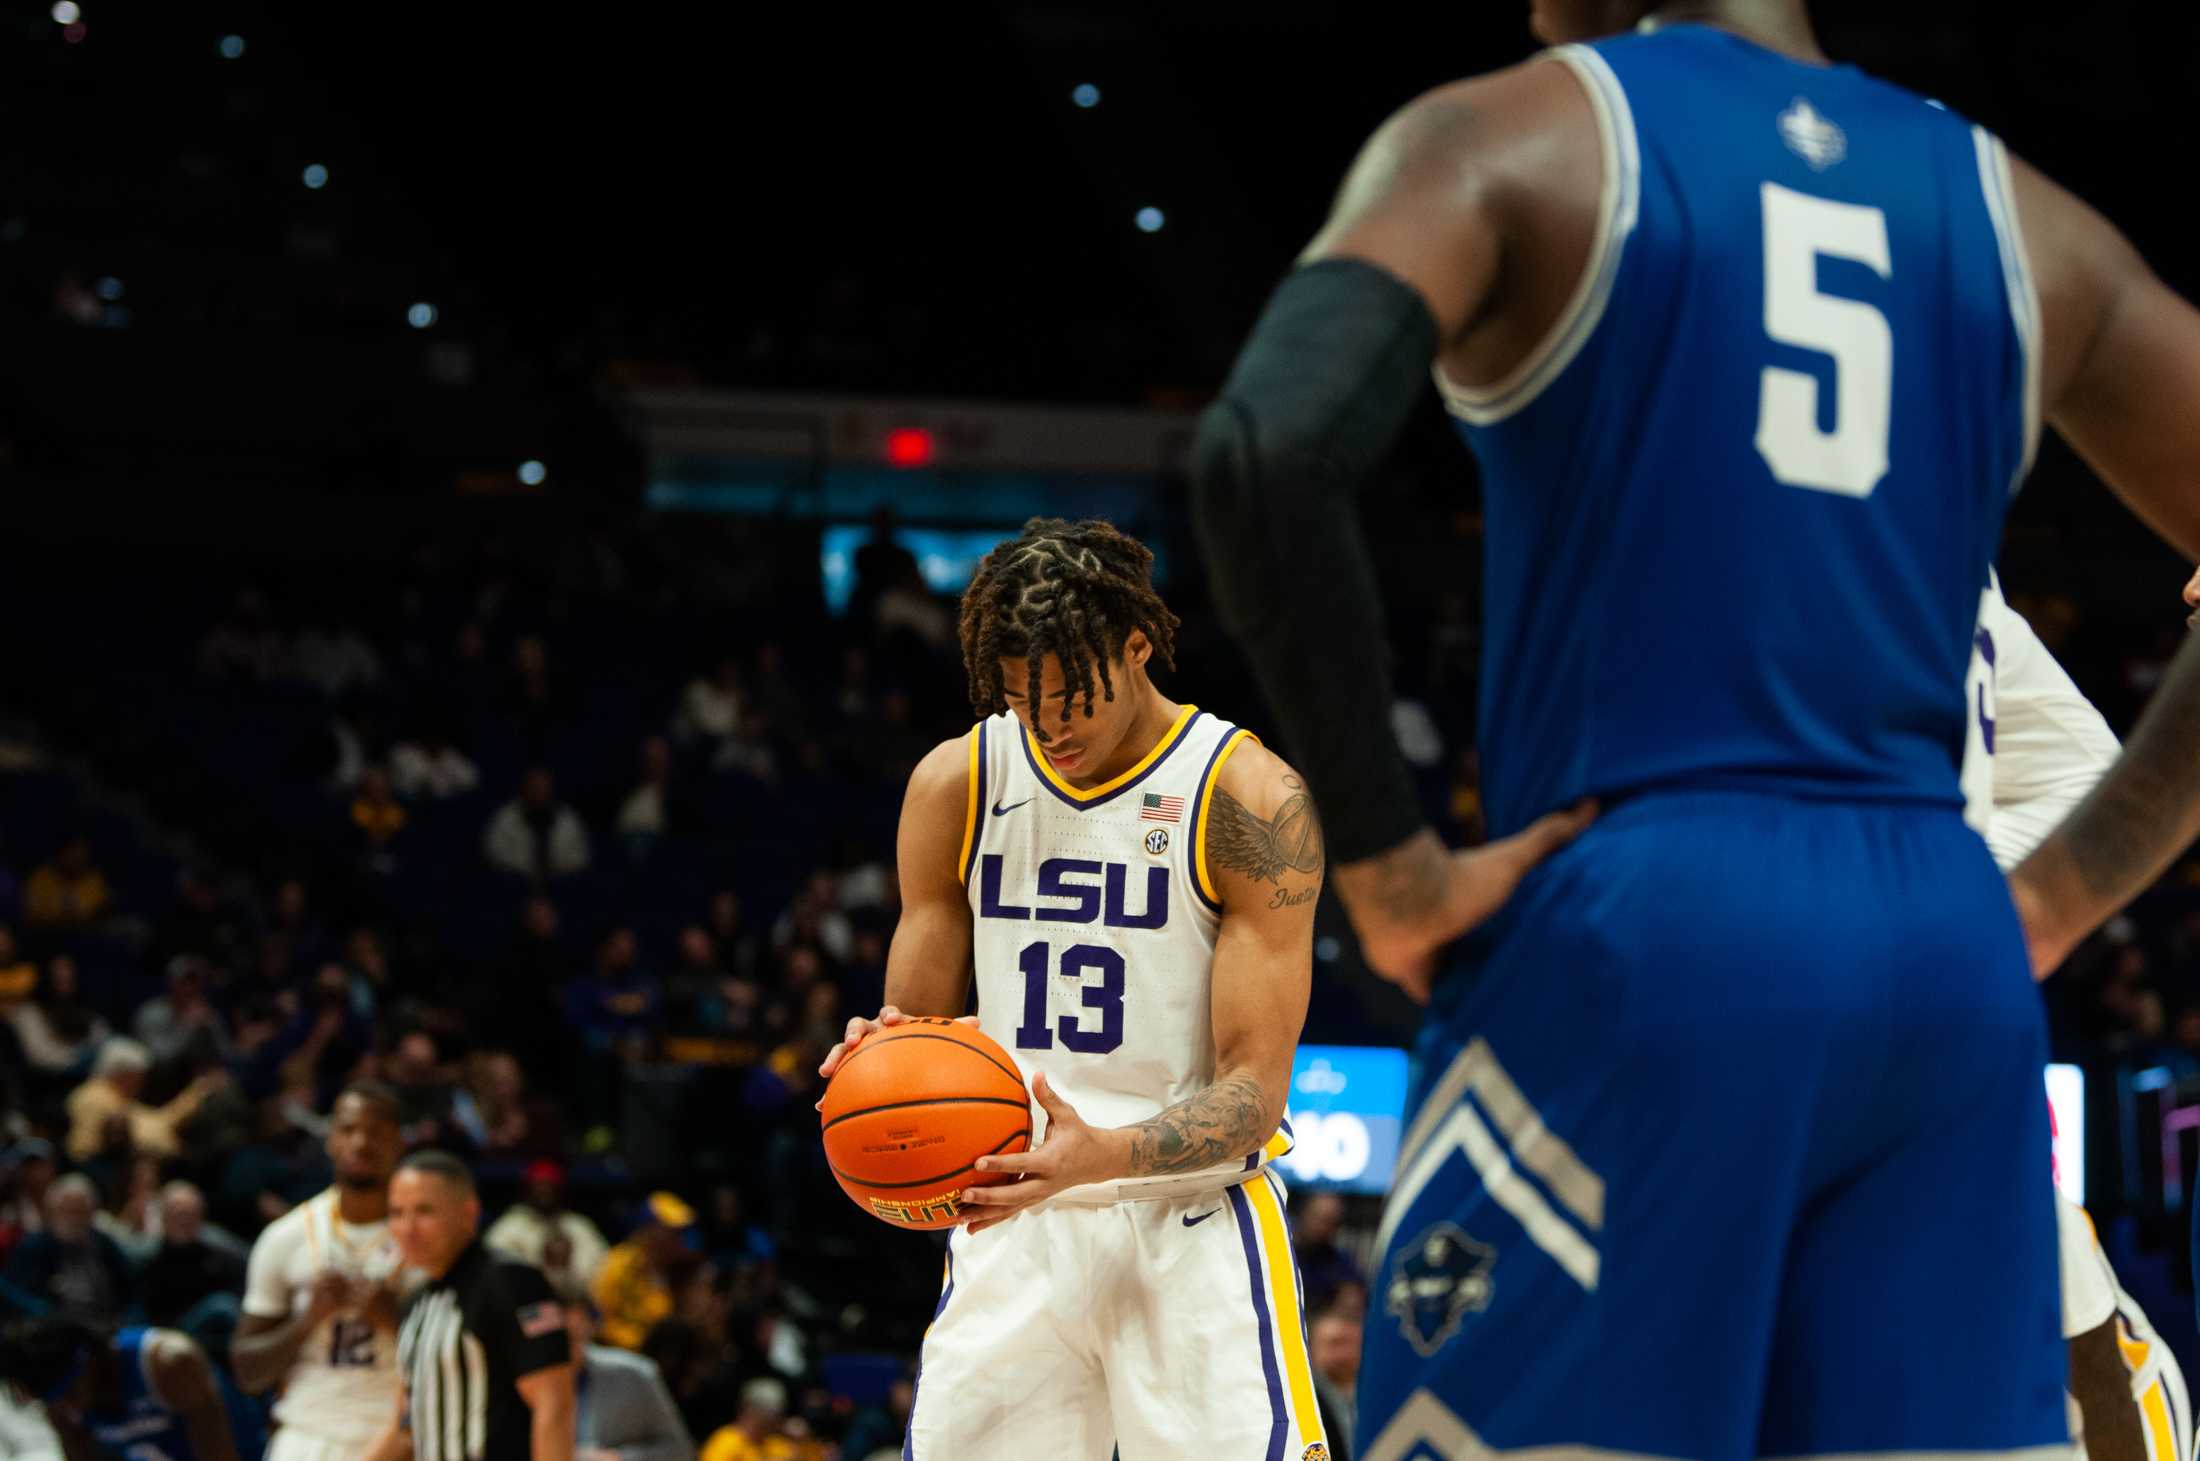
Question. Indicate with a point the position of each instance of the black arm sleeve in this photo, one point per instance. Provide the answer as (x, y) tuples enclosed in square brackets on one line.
[(1311, 411)]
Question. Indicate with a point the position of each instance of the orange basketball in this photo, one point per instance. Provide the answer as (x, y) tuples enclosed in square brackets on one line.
[(909, 1114)]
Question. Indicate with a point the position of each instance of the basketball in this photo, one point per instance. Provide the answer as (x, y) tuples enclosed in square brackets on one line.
[(907, 1116)]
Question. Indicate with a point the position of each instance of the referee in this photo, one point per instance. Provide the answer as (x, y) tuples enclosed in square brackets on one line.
[(482, 1355)]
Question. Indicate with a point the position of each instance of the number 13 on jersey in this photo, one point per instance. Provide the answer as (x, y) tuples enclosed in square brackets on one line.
[(1851, 458)]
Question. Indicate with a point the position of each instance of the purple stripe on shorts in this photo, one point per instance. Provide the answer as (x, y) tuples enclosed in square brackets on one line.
[(909, 1436), (1282, 1423)]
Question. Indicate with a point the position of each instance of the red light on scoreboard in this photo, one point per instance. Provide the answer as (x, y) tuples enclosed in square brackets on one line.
[(911, 446)]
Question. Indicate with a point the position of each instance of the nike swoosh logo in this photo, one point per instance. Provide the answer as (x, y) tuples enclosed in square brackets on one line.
[(1193, 1222), (1001, 811)]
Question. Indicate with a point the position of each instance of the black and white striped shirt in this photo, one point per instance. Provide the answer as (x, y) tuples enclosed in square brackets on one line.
[(467, 1340)]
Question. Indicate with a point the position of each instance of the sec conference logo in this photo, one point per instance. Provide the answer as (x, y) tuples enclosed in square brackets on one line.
[(1157, 841), (1439, 1279)]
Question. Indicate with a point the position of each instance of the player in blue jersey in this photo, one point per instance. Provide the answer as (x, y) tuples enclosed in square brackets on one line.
[(1727, 1128), (146, 1394)]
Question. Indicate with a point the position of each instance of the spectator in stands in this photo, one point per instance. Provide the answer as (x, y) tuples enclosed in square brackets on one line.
[(908, 606), (58, 1031), (183, 1025), (815, 917), (536, 836), (697, 1372), (294, 921), (18, 975), (198, 923), (132, 1216), (429, 766), (617, 1005), (187, 1269), (634, 1288), (424, 1090), (529, 1225), (729, 1237), (752, 750), (730, 936), (334, 660), (118, 1075), (245, 645), (534, 696), (366, 971), (503, 1118), (776, 695), (880, 1428), (651, 812), (26, 1175), (375, 819), (894, 743), (320, 1046), (1334, 1342), (71, 1267), (68, 893), (1323, 1265), (711, 708), (757, 1432), (625, 1411)]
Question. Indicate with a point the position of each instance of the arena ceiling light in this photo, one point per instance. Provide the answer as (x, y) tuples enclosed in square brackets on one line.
[(1086, 95), (67, 12), (315, 175), (1150, 220), (421, 315), (231, 47), (533, 472)]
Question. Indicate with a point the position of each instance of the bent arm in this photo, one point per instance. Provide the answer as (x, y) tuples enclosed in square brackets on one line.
[(1263, 854), (549, 1397), (2121, 382), (185, 1380), (264, 1350), (1411, 264), (928, 963)]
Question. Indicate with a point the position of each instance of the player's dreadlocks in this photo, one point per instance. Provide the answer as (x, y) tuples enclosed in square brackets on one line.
[(1072, 590)]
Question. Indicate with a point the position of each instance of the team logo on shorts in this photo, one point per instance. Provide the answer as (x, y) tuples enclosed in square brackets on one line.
[(1315, 1452), (1439, 1279), (1157, 841)]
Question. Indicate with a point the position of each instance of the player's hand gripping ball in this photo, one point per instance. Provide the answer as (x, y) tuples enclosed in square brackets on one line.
[(911, 1109)]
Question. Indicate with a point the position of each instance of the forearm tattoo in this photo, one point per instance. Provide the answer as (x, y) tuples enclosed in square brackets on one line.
[(1219, 1124)]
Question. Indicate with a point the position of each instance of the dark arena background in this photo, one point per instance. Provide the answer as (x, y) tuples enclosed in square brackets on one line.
[(421, 425)]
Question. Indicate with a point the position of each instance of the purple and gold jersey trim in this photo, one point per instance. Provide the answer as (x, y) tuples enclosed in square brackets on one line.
[(1084, 799), (1201, 881)]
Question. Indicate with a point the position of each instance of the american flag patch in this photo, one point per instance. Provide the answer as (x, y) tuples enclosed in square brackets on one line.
[(536, 1320), (1152, 808)]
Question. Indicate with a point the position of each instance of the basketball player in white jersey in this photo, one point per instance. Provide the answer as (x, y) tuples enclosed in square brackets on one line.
[(1134, 881), (2036, 746), (320, 1302)]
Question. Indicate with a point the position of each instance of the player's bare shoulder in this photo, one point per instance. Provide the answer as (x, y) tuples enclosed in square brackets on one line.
[(1263, 844), (936, 809)]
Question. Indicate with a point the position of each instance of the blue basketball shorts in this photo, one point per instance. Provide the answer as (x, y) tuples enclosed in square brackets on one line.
[(1728, 1140)]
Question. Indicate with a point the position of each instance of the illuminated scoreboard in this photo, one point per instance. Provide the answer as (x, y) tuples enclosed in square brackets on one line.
[(1347, 1110)]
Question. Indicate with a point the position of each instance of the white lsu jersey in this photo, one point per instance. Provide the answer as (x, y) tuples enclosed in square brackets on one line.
[(1094, 919), (343, 1389), (2034, 745)]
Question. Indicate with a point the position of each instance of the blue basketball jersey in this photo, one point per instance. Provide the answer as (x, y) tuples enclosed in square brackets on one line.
[(142, 1427), (1740, 503)]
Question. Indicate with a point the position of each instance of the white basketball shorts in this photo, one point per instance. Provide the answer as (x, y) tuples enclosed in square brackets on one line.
[(1170, 1328)]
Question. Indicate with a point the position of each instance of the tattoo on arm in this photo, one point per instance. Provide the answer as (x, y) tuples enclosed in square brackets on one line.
[(2140, 815), (1219, 1124), (1265, 848)]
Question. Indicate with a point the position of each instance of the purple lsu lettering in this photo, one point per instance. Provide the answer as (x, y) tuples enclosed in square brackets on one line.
[(1068, 893)]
